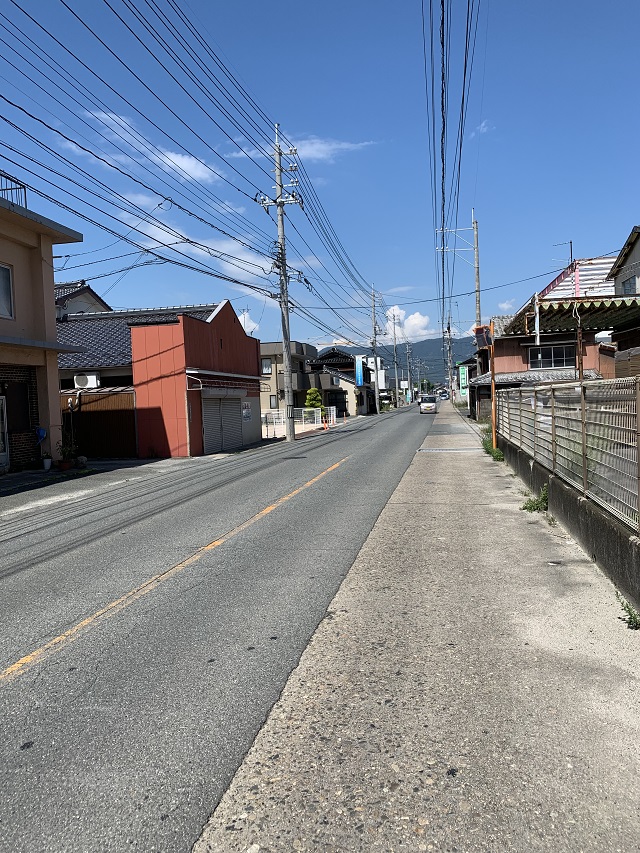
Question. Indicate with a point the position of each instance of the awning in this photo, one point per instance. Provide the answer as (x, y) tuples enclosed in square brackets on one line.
[(596, 315)]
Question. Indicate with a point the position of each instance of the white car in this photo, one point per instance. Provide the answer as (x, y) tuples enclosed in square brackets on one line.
[(429, 404)]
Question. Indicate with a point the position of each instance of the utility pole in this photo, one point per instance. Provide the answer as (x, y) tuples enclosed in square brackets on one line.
[(281, 265), (450, 359), (395, 357), (476, 257), (409, 371), (374, 343)]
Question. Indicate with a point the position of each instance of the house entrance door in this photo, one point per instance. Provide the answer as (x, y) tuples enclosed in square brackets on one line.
[(4, 438)]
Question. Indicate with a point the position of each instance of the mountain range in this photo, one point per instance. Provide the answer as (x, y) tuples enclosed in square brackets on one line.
[(431, 353)]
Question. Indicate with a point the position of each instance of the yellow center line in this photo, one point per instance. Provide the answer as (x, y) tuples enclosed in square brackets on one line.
[(25, 663)]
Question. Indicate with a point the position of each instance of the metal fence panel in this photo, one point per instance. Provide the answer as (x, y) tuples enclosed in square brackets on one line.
[(585, 433), (612, 446)]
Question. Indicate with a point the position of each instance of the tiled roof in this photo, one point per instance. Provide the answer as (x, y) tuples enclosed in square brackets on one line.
[(534, 377), (499, 324), (106, 336), (61, 290)]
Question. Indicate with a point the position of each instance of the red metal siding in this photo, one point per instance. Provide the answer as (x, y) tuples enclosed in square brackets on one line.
[(159, 379), (221, 344)]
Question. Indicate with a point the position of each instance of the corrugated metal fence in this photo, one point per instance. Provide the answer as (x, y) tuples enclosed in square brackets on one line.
[(586, 433)]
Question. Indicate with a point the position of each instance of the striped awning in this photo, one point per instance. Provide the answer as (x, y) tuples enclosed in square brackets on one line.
[(596, 314)]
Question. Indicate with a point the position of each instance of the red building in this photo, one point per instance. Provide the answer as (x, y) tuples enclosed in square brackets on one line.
[(197, 385), (193, 374)]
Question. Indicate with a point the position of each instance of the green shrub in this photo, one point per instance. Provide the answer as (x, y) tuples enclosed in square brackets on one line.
[(314, 400), (487, 445), (539, 504)]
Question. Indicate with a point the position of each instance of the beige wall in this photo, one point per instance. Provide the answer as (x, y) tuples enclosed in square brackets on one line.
[(26, 247)]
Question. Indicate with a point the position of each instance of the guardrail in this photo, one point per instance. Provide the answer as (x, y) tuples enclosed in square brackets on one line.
[(586, 433)]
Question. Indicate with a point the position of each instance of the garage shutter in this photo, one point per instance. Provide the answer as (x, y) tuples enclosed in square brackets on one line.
[(212, 425), (231, 424)]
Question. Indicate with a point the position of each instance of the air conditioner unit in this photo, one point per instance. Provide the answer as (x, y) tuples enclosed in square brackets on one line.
[(86, 380)]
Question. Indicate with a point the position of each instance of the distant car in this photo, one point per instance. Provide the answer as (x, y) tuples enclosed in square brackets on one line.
[(444, 395), (429, 404)]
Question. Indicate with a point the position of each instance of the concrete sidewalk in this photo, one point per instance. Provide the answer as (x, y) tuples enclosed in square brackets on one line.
[(472, 687)]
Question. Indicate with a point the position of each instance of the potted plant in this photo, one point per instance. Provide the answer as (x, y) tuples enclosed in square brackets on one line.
[(67, 451), (46, 460)]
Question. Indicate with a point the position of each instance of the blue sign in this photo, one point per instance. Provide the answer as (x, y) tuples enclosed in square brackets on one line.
[(359, 370)]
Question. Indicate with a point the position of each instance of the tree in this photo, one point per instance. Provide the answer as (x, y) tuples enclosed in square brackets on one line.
[(314, 399)]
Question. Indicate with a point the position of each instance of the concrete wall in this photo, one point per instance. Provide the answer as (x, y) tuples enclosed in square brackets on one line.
[(611, 545), (252, 426)]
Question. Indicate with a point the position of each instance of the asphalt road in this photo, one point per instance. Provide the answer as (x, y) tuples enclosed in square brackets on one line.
[(150, 619)]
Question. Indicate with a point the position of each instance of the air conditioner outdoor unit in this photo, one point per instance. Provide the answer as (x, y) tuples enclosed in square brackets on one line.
[(86, 380)]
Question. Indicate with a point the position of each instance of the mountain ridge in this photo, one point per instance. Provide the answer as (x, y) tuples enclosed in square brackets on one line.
[(431, 352)]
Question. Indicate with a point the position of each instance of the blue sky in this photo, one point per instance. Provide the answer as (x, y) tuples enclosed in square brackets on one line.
[(550, 130)]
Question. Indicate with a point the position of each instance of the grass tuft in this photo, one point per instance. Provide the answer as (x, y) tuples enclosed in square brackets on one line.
[(631, 615), (539, 504), (487, 445)]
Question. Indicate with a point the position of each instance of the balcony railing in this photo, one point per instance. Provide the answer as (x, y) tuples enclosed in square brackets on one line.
[(12, 190)]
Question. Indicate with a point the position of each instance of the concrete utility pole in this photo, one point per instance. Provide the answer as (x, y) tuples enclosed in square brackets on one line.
[(395, 357), (409, 371), (476, 265), (450, 358), (281, 265), (374, 344)]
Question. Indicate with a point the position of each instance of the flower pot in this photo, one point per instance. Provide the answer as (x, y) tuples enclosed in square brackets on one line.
[(46, 464), (65, 464)]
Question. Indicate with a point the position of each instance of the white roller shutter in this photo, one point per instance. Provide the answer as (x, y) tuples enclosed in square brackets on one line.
[(211, 425), (231, 424)]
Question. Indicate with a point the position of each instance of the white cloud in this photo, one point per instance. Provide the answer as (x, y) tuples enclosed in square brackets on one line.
[(121, 131), (313, 149), (506, 306), (485, 126), (399, 290), (188, 167), (415, 327), (252, 153), (247, 323)]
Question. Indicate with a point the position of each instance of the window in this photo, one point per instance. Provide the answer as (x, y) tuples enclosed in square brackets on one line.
[(273, 401), (629, 286), (6, 292), (335, 380), (557, 356), (266, 367)]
